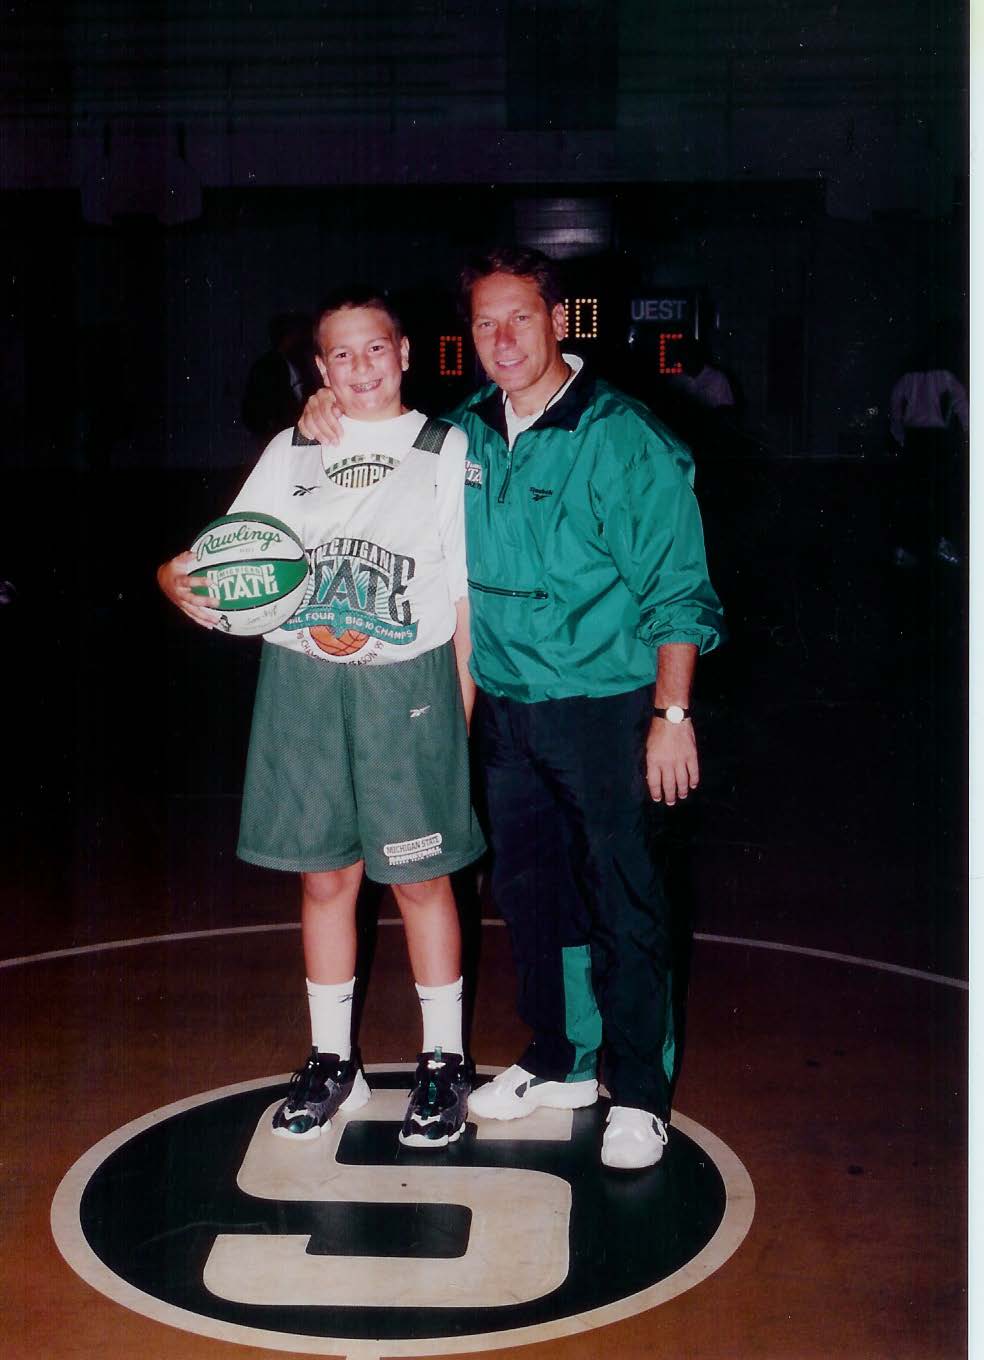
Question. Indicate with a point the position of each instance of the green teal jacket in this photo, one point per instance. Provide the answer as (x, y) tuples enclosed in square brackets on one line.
[(584, 544)]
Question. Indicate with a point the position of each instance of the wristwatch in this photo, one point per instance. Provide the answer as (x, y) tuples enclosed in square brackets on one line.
[(674, 714)]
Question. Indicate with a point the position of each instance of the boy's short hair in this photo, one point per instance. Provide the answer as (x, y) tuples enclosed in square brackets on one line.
[(524, 262), (351, 296)]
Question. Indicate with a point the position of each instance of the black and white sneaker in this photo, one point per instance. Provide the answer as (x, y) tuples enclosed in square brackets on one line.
[(438, 1104), (317, 1091)]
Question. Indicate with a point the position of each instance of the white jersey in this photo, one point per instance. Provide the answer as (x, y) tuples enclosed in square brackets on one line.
[(383, 526)]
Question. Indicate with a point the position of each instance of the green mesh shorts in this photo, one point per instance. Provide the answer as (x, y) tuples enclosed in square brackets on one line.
[(359, 762)]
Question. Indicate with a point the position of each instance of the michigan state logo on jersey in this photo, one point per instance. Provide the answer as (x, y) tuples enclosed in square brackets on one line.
[(356, 595), (197, 1215)]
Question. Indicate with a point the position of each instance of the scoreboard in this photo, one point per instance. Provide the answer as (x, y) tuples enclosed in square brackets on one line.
[(660, 322), (652, 324)]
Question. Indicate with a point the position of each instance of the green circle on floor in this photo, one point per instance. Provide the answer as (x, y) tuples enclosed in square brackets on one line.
[(198, 1216)]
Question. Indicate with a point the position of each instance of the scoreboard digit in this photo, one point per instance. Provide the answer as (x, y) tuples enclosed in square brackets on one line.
[(661, 322), (666, 365), (451, 356)]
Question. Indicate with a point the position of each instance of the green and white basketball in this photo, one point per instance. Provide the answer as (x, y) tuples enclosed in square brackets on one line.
[(256, 566)]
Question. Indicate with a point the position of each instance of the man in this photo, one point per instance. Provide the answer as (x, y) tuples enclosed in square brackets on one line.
[(928, 417), (589, 604)]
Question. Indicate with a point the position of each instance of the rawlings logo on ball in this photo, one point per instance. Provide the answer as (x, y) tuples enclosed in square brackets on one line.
[(256, 566), (208, 543)]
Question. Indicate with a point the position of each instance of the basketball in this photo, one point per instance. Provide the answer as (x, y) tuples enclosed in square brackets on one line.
[(338, 644), (256, 566)]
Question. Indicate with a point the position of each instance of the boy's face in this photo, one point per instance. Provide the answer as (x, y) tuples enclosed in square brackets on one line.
[(364, 360)]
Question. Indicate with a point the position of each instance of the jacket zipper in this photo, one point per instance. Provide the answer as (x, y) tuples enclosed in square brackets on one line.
[(505, 481), (499, 590)]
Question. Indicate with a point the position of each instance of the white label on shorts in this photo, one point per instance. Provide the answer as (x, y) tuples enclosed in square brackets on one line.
[(405, 852)]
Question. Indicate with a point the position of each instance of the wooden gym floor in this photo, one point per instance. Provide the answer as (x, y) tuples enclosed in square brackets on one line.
[(821, 867)]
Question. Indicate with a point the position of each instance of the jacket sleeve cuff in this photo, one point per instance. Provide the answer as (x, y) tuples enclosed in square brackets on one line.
[(705, 633)]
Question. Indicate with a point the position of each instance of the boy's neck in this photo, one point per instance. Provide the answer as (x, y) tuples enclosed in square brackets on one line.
[(393, 414)]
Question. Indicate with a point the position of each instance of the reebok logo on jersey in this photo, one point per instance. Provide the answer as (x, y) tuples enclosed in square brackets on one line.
[(539, 494), (419, 712), (304, 490)]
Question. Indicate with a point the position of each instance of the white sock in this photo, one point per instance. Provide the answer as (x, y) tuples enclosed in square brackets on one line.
[(441, 1009), (330, 1004)]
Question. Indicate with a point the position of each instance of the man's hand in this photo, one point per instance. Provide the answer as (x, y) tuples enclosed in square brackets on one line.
[(173, 579), (671, 760), (320, 418)]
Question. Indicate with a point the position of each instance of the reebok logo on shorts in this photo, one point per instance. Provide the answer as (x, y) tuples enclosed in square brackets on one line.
[(419, 712), (406, 852)]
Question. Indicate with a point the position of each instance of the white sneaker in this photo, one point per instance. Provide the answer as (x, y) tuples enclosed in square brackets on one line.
[(633, 1139), (516, 1092)]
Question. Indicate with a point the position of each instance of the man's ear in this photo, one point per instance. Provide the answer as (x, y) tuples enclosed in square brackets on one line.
[(322, 370), (404, 354), (558, 319)]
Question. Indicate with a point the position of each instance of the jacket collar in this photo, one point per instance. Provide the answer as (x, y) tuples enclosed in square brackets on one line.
[(564, 414)]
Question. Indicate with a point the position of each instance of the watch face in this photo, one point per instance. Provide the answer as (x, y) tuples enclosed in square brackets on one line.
[(674, 714)]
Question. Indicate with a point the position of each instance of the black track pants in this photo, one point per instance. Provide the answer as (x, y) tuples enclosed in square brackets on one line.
[(576, 878)]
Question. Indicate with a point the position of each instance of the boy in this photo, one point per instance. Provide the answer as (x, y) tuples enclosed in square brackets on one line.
[(358, 751)]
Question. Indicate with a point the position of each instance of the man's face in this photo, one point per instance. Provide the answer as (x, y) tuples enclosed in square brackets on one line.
[(517, 339), (363, 360)]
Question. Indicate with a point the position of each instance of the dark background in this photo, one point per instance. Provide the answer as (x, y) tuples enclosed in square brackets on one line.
[(171, 179)]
